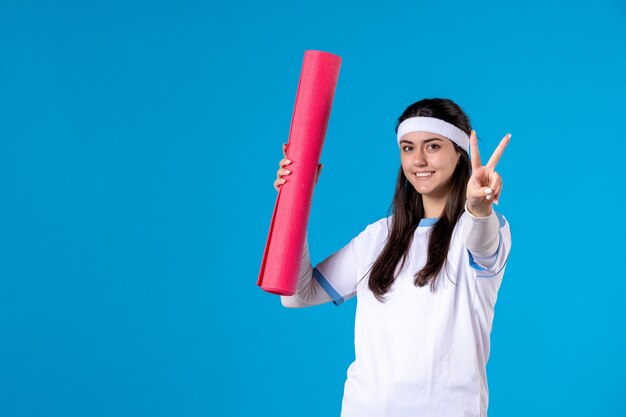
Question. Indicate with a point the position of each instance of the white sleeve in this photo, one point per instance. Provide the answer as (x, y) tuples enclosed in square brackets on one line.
[(338, 274), (480, 234), (488, 242), (308, 291)]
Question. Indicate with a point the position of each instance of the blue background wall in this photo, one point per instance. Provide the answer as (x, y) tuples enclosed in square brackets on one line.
[(138, 146)]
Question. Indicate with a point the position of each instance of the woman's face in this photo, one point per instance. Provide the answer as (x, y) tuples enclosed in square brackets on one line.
[(424, 152)]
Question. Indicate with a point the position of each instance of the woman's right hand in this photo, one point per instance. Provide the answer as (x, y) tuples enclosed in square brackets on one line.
[(282, 171)]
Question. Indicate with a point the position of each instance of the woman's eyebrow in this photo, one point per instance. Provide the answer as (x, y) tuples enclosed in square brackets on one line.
[(424, 141)]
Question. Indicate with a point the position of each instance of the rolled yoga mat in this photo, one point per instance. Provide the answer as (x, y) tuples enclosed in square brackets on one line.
[(285, 241)]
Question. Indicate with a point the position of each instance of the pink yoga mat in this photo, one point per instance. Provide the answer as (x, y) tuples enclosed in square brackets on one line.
[(285, 241)]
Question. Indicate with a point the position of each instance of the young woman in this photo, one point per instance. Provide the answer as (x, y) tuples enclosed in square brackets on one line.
[(426, 277)]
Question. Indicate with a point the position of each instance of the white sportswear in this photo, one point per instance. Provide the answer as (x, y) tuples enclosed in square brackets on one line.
[(420, 353)]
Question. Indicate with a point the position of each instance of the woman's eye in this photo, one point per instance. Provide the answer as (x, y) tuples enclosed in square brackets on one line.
[(437, 146), (406, 147)]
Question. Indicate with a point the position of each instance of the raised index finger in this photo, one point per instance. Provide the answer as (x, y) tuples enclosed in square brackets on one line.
[(495, 157), (474, 154)]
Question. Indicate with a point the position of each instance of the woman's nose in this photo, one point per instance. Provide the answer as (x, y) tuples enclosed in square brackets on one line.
[(419, 158)]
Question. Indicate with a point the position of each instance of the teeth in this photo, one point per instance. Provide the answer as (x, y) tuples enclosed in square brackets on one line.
[(424, 175)]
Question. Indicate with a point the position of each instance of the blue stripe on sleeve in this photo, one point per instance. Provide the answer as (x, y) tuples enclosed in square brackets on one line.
[(494, 256), (337, 299)]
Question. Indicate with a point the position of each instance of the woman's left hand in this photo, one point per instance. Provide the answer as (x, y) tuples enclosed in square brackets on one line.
[(485, 184)]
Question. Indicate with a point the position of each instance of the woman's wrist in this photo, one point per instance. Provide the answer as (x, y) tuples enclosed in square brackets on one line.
[(478, 211)]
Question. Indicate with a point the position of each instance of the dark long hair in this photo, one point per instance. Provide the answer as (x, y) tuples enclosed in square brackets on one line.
[(408, 208)]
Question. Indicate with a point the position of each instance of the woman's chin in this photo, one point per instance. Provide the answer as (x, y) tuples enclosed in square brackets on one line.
[(428, 190), (423, 189)]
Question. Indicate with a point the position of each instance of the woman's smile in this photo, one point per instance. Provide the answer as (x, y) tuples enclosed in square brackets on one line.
[(424, 175)]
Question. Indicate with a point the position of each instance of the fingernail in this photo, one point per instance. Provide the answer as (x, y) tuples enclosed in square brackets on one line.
[(488, 190), (288, 172), (287, 161), (495, 202), (488, 197)]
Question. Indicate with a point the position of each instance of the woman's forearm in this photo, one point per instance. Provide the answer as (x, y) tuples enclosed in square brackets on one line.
[(481, 234), (308, 291)]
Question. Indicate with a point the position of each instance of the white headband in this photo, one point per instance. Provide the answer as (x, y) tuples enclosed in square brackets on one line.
[(434, 125)]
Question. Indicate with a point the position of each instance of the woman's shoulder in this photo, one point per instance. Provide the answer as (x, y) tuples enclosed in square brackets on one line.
[(372, 238), (378, 228)]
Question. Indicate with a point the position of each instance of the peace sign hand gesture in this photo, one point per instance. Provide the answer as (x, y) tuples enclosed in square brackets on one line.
[(485, 184)]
